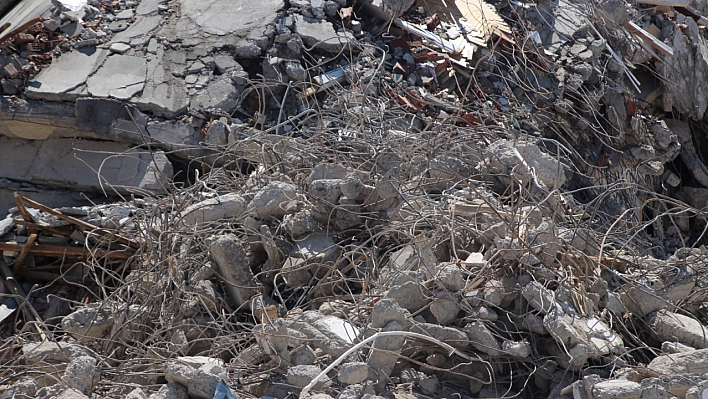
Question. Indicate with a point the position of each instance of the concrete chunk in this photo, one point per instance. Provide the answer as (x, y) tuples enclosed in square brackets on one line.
[(222, 207), (59, 81), (670, 326), (695, 362), (231, 258), (89, 322)]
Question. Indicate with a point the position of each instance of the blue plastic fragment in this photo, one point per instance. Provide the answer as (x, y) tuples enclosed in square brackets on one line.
[(223, 391)]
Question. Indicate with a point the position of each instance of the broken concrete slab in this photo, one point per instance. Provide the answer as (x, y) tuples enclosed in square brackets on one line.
[(695, 362), (121, 77), (85, 165), (670, 326), (35, 120), (61, 81), (222, 18), (219, 94), (141, 27), (163, 94), (322, 36)]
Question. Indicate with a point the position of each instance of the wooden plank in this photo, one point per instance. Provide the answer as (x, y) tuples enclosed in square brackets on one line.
[(59, 250), (649, 38), (482, 17), (17, 265), (81, 223), (21, 208)]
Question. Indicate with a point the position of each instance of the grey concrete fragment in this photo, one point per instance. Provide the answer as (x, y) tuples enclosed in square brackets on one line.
[(233, 264), (179, 372), (387, 310), (520, 349), (174, 134), (642, 299), (330, 334), (483, 313), (80, 374), (384, 355), (163, 95), (295, 71), (444, 308), (322, 36), (219, 94), (690, 60), (207, 294), (300, 223), (527, 161), (271, 200), (170, 391), (494, 292), (89, 323), (300, 376), (482, 339), (121, 77), (141, 27), (353, 373), (302, 355), (119, 48), (98, 114), (410, 295), (23, 388), (670, 326), (60, 352), (227, 206), (72, 393), (449, 276), (610, 389), (274, 338), (147, 7), (231, 17), (452, 336), (247, 49), (675, 347), (67, 73), (541, 298), (206, 379), (429, 384), (296, 272), (136, 393)]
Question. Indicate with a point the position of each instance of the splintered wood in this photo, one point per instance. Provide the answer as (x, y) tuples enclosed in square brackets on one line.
[(477, 20), (482, 20)]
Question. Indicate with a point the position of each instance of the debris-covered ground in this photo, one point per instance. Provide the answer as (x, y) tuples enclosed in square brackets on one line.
[(435, 199)]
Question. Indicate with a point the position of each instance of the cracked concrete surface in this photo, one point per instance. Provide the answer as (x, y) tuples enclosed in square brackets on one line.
[(121, 77), (84, 165)]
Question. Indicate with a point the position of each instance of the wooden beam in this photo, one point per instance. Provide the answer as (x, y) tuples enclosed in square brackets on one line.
[(59, 250), (17, 264), (649, 38)]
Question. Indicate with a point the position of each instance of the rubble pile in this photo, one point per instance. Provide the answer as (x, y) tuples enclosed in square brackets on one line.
[(340, 200)]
